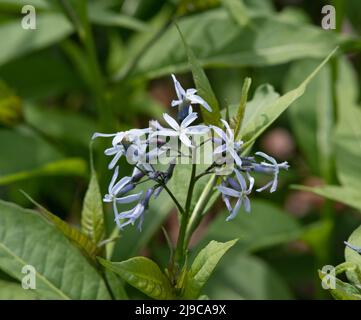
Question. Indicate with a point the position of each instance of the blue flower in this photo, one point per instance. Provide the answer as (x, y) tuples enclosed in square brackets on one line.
[(273, 167), (187, 97), (114, 189), (239, 191), (134, 214), (227, 143)]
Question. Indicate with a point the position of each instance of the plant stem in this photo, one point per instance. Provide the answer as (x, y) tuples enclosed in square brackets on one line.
[(198, 211), (180, 208), (180, 248)]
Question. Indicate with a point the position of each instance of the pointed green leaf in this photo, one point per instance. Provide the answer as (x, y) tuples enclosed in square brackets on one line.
[(92, 216), (203, 266), (353, 257), (76, 236), (242, 106), (264, 119), (203, 86), (343, 290), (220, 42), (14, 291), (143, 274), (50, 28), (62, 272)]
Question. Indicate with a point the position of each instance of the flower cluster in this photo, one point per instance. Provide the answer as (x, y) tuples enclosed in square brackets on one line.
[(144, 149)]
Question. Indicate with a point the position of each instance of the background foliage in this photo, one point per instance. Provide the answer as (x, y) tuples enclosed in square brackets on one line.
[(104, 66)]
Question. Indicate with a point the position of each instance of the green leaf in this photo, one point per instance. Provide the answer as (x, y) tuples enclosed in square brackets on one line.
[(343, 290), (71, 166), (74, 235), (241, 276), (203, 266), (92, 216), (346, 195), (41, 157), (57, 78), (264, 119), (14, 291), (62, 272), (237, 10), (106, 17), (353, 257), (116, 285), (61, 125), (203, 86), (348, 147), (218, 41), (242, 106), (50, 28), (257, 230), (143, 274), (312, 115)]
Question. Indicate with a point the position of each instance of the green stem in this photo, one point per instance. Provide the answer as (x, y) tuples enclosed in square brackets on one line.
[(198, 211), (180, 208), (180, 248)]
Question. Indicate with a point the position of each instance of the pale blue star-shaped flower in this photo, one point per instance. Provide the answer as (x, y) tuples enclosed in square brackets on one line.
[(183, 130), (187, 97), (274, 167), (241, 192), (227, 143)]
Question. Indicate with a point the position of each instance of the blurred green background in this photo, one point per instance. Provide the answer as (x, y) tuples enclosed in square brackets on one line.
[(108, 69)]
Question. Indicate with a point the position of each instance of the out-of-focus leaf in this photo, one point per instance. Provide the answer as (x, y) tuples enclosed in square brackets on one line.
[(312, 115), (353, 256), (41, 80), (348, 131), (10, 106), (106, 17), (263, 119), (14, 291), (62, 272), (61, 125), (74, 235), (92, 216), (237, 10), (143, 274), (33, 157), (70, 166), (240, 276), (218, 41), (343, 290), (18, 4), (256, 230), (346, 195), (203, 86), (50, 28), (202, 267)]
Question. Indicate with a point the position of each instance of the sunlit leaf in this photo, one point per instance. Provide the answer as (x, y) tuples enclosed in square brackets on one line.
[(143, 274)]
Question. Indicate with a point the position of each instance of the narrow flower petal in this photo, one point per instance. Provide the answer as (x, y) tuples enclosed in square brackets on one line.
[(228, 191), (178, 88), (120, 185), (174, 124), (114, 178), (188, 120), (129, 199), (98, 134), (186, 141), (235, 210), (197, 99)]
